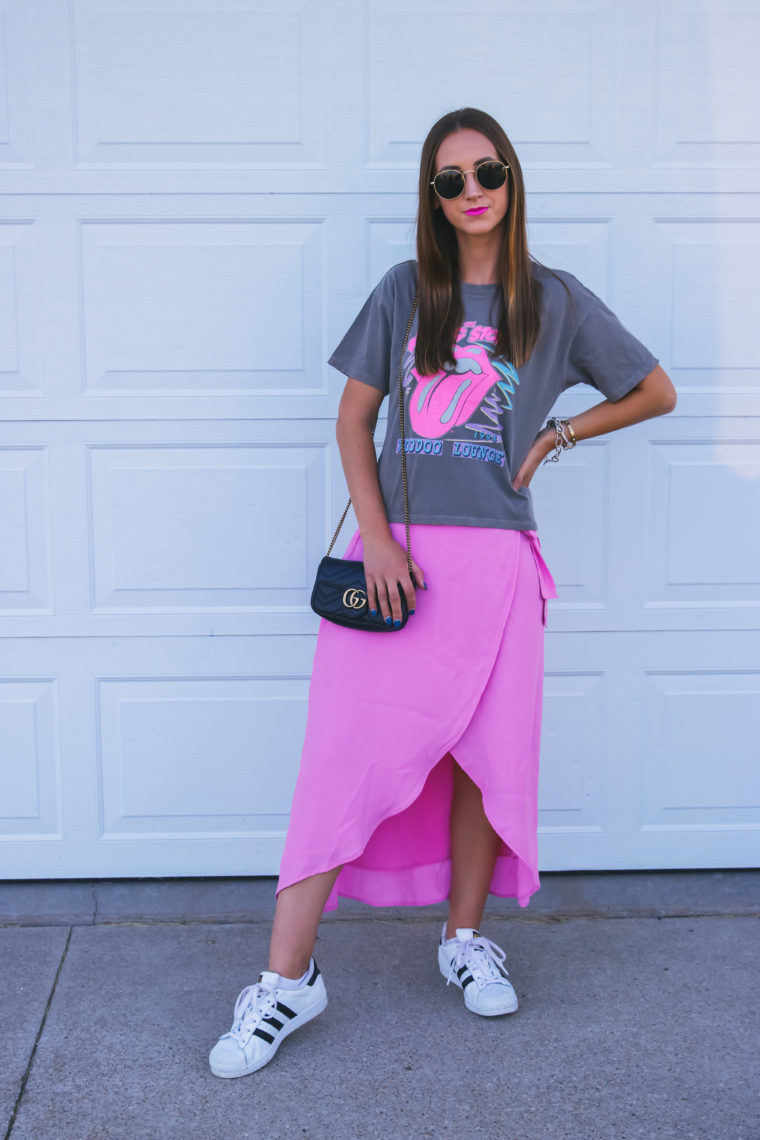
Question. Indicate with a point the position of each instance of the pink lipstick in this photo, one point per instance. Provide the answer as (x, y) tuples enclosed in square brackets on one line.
[(475, 213)]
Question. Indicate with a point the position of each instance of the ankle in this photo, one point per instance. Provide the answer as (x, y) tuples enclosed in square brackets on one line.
[(293, 969), (450, 929)]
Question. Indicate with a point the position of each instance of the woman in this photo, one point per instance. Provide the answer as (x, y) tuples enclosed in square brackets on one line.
[(419, 774)]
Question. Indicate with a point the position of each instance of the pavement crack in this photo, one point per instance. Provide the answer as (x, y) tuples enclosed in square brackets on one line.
[(40, 1031), (94, 904)]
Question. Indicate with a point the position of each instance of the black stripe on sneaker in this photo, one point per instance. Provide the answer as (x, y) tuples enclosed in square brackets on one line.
[(282, 1008), (461, 970), (466, 981), (314, 975), (273, 1022), (264, 1035)]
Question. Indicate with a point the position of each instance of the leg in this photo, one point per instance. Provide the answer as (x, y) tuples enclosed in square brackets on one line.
[(269, 1010), (473, 964), (296, 918), (474, 848)]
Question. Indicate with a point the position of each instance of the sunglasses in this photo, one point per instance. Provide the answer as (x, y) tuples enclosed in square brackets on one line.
[(490, 175)]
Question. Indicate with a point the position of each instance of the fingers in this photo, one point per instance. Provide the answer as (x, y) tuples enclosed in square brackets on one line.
[(394, 597), (411, 585), (419, 576), (384, 596), (388, 599), (388, 581), (372, 596)]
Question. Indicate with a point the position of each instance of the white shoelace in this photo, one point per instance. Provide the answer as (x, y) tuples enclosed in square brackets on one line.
[(482, 957), (253, 1003)]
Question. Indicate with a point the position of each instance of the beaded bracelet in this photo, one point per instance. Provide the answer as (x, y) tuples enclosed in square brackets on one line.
[(564, 438)]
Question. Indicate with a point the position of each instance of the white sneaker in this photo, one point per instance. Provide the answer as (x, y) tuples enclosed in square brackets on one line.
[(266, 1013), (475, 964)]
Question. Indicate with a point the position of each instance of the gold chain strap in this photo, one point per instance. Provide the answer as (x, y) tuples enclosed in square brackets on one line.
[(403, 444)]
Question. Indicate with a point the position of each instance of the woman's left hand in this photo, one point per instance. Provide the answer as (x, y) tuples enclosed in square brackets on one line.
[(539, 450)]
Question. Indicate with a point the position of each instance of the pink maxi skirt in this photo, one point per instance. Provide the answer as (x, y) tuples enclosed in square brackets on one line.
[(389, 713)]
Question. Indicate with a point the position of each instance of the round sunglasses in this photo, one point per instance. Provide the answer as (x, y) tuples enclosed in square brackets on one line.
[(450, 183)]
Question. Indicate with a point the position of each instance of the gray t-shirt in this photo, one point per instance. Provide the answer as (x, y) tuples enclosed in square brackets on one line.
[(469, 429)]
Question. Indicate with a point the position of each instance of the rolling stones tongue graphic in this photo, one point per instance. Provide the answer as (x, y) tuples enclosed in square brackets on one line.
[(447, 400)]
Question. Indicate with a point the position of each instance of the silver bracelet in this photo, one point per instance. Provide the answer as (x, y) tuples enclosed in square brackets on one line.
[(564, 437)]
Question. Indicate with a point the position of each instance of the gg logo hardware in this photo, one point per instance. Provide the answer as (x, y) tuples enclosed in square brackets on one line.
[(354, 599)]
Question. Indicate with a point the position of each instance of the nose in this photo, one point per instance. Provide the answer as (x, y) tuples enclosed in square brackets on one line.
[(471, 185)]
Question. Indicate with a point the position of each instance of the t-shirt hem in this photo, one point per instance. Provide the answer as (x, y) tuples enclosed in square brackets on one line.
[(464, 520)]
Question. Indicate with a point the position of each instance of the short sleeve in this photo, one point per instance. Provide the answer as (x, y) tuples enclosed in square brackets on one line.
[(605, 354), (364, 353)]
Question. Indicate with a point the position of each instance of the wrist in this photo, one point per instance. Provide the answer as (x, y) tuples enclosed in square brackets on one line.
[(545, 441), (376, 532), (561, 436)]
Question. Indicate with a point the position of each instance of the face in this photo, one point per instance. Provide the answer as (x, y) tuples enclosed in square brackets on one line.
[(476, 211)]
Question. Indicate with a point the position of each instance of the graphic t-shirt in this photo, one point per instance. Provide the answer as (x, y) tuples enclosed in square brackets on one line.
[(469, 427)]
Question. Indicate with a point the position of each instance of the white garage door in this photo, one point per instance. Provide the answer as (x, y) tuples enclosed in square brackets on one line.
[(196, 198)]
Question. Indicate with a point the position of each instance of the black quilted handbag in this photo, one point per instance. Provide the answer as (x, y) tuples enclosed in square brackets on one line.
[(340, 588)]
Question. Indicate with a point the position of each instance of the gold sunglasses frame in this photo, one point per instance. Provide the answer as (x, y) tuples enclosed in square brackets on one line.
[(475, 169)]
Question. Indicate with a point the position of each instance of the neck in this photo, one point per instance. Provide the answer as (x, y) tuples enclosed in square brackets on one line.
[(479, 258)]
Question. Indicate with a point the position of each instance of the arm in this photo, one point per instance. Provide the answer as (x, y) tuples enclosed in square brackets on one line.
[(384, 559), (652, 396)]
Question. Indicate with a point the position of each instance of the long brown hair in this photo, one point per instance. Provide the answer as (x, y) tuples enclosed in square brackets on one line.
[(440, 304)]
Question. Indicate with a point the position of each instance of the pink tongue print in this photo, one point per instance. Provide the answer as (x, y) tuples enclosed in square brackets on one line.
[(443, 401)]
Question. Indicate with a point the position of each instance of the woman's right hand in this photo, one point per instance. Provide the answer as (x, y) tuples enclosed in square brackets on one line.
[(387, 573)]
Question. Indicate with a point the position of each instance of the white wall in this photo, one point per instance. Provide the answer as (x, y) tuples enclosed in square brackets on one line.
[(195, 199)]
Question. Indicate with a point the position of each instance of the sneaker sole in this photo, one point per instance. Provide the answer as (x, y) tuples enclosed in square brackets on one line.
[(445, 966), (296, 1023)]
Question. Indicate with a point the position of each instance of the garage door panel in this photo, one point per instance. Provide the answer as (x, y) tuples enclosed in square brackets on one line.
[(201, 307), (706, 279), (710, 124), (30, 803), (17, 49), (199, 756), (700, 553), (153, 753), (678, 554), (261, 102), (205, 528), (25, 562), (140, 542), (389, 241), (647, 747), (20, 311), (572, 779), (578, 36), (582, 247), (701, 766)]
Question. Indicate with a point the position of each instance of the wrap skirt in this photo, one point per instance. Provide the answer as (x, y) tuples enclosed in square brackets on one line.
[(389, 713)]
